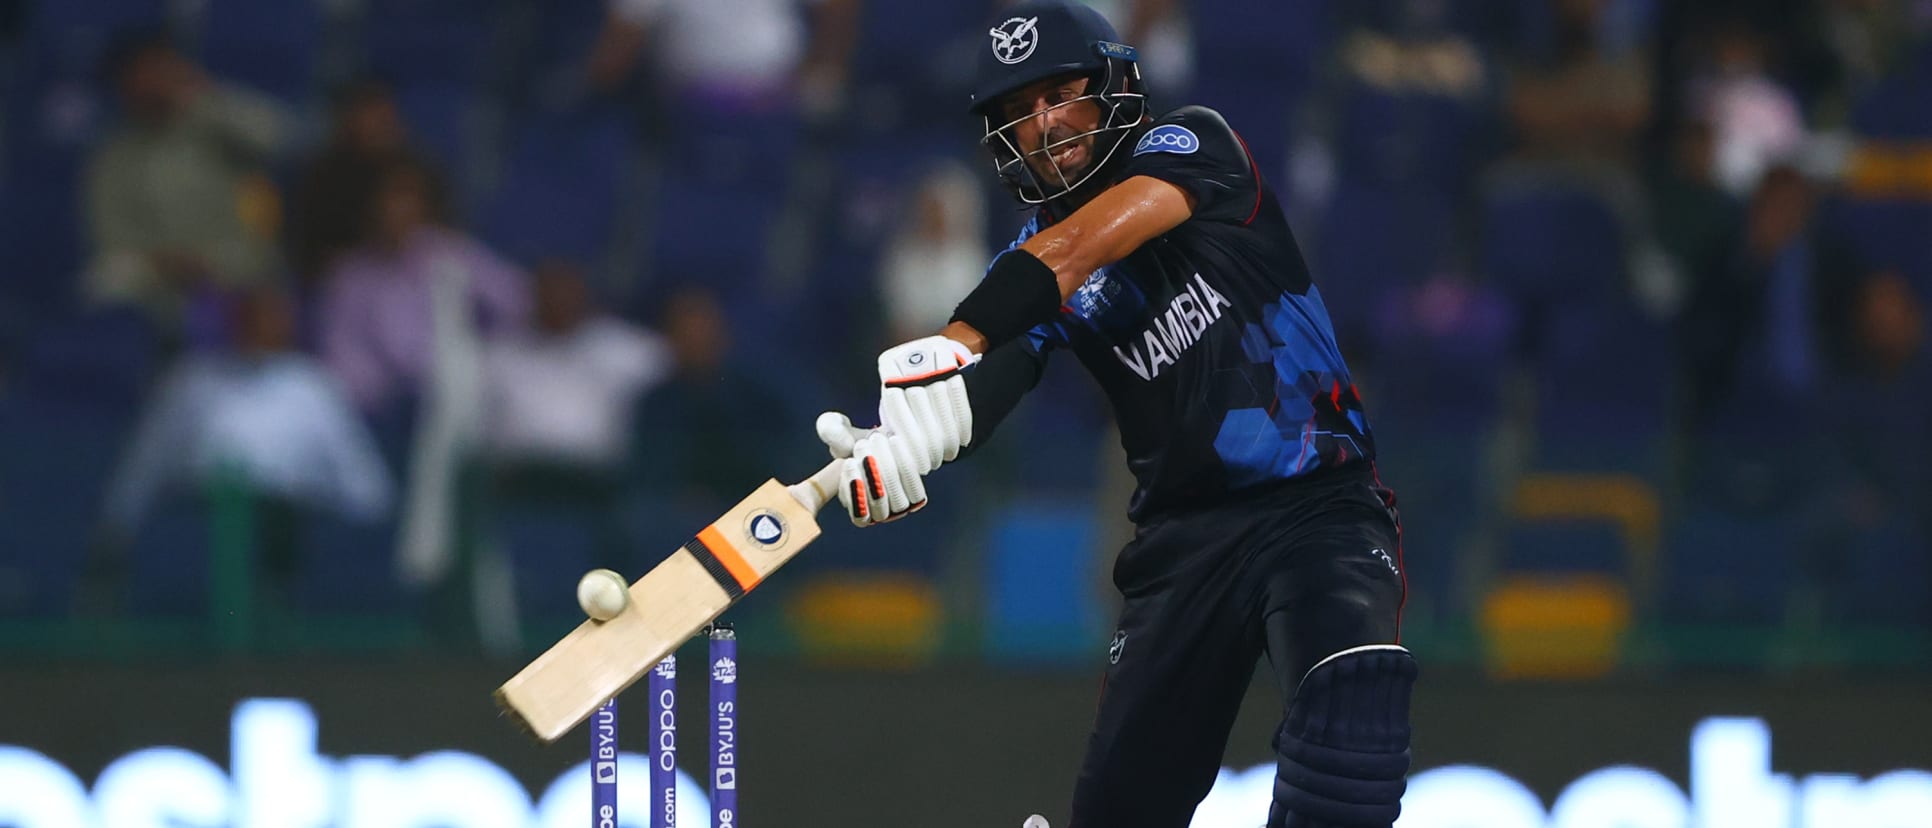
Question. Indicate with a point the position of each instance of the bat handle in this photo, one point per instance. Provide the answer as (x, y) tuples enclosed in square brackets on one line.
[(819, 489)]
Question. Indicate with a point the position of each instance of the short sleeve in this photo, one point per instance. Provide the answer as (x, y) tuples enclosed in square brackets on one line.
[(1194, 149)]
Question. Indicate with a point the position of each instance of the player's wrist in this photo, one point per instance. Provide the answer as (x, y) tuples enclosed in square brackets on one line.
[(966, 335)]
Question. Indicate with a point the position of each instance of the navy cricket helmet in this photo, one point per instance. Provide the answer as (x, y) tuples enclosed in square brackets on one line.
[(1036, 40)]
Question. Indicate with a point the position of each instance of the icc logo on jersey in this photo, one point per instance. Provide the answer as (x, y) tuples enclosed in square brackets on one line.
[(1013, 41), (1172, 138)]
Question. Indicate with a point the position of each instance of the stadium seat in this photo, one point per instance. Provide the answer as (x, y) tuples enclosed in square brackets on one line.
[(1729, 568), (1540, 243), (559, 37), (1605, 382), (690, 217), (1258, 72), (548, 550), (1445, 497), (168, 562), (58, 456), (1442, 350), (1541, 626), (443, 120), (268, 45), (1407, 138), (561, 185), (1606, 523), (1887, 233), (40, 230), (1565, 545), (104, 359), (873, 617), (1897, 107), (1758, 452), (1355, 264), (91, 19), (55, 112), (1434, 395), (348, 567), (429, 41), (1880, 575)]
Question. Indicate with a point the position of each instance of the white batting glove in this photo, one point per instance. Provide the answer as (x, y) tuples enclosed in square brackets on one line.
[(839, 434), (879, 485), (922, 397)]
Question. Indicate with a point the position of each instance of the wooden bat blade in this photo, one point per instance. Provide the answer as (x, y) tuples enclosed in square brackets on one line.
[(669, 605)]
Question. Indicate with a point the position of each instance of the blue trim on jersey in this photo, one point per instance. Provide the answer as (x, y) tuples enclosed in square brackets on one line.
[(1298, 343), (1299, 326)]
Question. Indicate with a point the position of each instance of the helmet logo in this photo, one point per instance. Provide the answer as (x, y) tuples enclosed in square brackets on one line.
[(1013, 41)]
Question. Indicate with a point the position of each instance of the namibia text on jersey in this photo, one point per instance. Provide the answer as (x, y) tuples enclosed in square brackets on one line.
[(1174, 331)]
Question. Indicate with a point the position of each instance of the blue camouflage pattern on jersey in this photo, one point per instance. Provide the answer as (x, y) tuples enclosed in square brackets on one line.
[(1212, 343)]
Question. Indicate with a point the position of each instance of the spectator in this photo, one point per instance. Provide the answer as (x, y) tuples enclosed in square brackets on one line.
[(1756, 121), (327, 213), (264, 412), (1700, 228), (559, 404), (1697, 223), (1753, 329), (560, 395), (1882, 402), (937, 257), (402, 325), (708, 434), (378, 332), (1585, 105), (176, 199), (731, 54)]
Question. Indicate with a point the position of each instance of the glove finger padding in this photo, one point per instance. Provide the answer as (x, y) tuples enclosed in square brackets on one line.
[(877, 484), (947, 401), (852, 493), (936, 434), (898, 416), (906, 490), (957, 410)]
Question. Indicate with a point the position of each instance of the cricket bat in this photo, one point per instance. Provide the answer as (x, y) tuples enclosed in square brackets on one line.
[(669, 605)]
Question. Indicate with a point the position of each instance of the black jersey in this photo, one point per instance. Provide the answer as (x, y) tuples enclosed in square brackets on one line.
[(1210, 341)]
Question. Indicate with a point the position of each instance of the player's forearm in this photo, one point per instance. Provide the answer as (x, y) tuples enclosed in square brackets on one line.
[(1107, 229), (1027, 285)]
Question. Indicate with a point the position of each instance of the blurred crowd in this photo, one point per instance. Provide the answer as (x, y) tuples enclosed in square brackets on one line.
[(416, 301)]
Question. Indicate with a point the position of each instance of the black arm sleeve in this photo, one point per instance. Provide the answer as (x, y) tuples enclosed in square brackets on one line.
[(997, 383)]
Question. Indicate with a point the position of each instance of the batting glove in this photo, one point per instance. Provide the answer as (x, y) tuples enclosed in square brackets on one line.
[(878, 484), (922, 397)]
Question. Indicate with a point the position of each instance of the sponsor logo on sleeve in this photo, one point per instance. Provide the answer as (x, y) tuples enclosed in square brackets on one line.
[(1173, 138)]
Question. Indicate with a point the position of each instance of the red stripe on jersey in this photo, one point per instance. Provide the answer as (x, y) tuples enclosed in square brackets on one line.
[(1256, 170)]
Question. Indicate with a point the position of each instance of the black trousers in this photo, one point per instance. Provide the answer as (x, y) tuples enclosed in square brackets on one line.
[(1299, 571)]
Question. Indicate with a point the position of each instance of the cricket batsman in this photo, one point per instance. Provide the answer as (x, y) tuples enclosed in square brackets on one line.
[(1158, 256)]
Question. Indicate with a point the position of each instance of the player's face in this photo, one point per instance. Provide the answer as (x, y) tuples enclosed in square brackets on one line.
[(1050, 116)]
